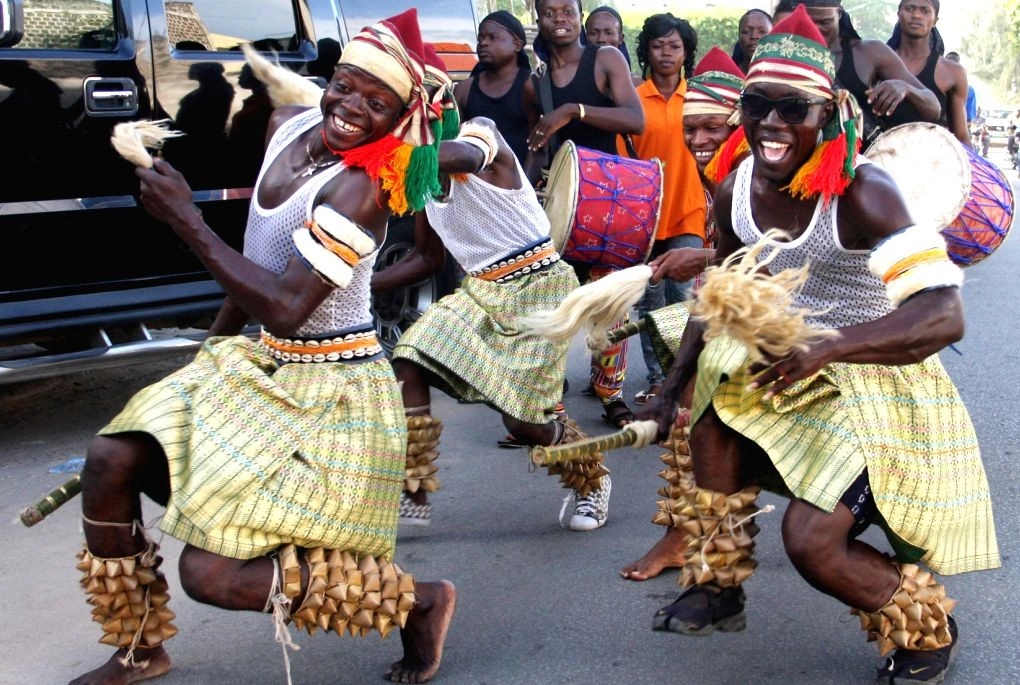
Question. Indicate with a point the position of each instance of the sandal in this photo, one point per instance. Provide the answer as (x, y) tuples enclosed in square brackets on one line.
[(510, 442), (618, 414), (648, 395), (702, 609)]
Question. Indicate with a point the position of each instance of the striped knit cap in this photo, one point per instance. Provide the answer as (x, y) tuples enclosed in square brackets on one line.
[(392, 51), (715, 89), (794, 54), (715, 86)]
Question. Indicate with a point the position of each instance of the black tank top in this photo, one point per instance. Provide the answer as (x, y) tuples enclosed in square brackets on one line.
[(846, 77), (507, 111), (582, 90), (906, 112)]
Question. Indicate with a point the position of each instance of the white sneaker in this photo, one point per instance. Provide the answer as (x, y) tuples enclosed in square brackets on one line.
[(412, 514), (589, 512)]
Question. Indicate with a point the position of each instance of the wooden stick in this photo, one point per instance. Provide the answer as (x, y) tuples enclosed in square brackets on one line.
[(637, 434), (627, 330), (51, 502)]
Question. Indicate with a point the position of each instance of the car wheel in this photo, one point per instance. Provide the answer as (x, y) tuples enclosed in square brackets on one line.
[(394, 312)]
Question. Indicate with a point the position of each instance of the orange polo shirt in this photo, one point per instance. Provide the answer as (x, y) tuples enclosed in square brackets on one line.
[(683, 200)]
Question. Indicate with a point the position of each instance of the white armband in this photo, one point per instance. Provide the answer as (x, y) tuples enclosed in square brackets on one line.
[(911, 260), (332, 245), (481, 137)]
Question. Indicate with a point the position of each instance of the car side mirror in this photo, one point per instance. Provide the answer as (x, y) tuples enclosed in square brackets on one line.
[(12, 22)]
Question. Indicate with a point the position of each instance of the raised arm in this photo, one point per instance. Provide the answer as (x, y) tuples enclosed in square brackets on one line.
[(895, 84)]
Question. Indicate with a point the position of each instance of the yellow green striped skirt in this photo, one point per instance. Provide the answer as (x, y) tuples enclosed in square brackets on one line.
[(262, 454), (665, 327), (906, 424), (472, 341)]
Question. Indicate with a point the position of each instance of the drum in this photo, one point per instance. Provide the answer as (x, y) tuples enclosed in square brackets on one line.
[(603, 209), (987, 216), (947, 184)]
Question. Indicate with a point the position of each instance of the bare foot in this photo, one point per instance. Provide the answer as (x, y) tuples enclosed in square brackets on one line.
[(668, 552), (149, 663), (424, 634)]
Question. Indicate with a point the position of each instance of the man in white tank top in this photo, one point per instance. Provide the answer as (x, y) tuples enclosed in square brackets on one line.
[(469, 344), (255, 430), (846, 426)]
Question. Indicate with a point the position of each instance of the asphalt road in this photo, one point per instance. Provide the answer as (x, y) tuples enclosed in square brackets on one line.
[(537, 604)]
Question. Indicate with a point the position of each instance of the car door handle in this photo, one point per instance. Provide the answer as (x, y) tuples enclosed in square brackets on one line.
[(106, 97)]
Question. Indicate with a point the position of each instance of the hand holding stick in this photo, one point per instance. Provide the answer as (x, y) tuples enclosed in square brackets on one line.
[(636, 434)]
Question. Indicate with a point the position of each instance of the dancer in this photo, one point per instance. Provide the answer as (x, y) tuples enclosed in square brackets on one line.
[(714, 136), (856, 422), (250, 445), (469, 344)]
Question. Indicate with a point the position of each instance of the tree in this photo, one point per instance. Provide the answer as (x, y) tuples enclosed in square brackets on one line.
[(993, 45), (872, 18)]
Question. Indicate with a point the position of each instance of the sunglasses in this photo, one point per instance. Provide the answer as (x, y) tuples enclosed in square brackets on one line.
[(791, 110)]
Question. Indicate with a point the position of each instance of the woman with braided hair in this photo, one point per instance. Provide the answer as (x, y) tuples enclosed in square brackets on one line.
[(666, 51), (856, 424), (280, 462)]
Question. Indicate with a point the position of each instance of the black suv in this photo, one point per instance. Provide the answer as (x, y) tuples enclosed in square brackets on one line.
[(91, 280)]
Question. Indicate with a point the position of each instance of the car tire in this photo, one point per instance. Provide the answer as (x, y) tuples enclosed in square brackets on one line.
[(394, 312)]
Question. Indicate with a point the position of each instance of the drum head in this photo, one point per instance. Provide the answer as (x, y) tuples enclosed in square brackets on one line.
[(931, 168), (561, 194)]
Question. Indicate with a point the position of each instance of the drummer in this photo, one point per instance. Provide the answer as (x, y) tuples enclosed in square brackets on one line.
[(875, 75), (469, 344), (918, 43), (592, 100)]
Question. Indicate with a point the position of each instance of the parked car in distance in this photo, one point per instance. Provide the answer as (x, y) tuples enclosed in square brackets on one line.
[(997, 121), (91, 279)]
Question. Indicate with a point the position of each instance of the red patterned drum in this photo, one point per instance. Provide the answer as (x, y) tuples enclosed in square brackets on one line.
[(945, 183), (986, 218), (603, 208)]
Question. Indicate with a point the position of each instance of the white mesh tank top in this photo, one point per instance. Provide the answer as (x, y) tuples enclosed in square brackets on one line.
[(839, 279), (480, 223), (268, 239)]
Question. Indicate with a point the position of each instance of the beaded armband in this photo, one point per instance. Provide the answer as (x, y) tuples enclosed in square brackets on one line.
[(911, 260), (481, 137), (332, 245)]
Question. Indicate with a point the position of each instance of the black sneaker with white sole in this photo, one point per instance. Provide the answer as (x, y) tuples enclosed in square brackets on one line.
[(917, 667), (703, 609)]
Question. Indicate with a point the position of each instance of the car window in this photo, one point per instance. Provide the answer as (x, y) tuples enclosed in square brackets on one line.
[(68, 24), (223, 25), (440, 20)]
